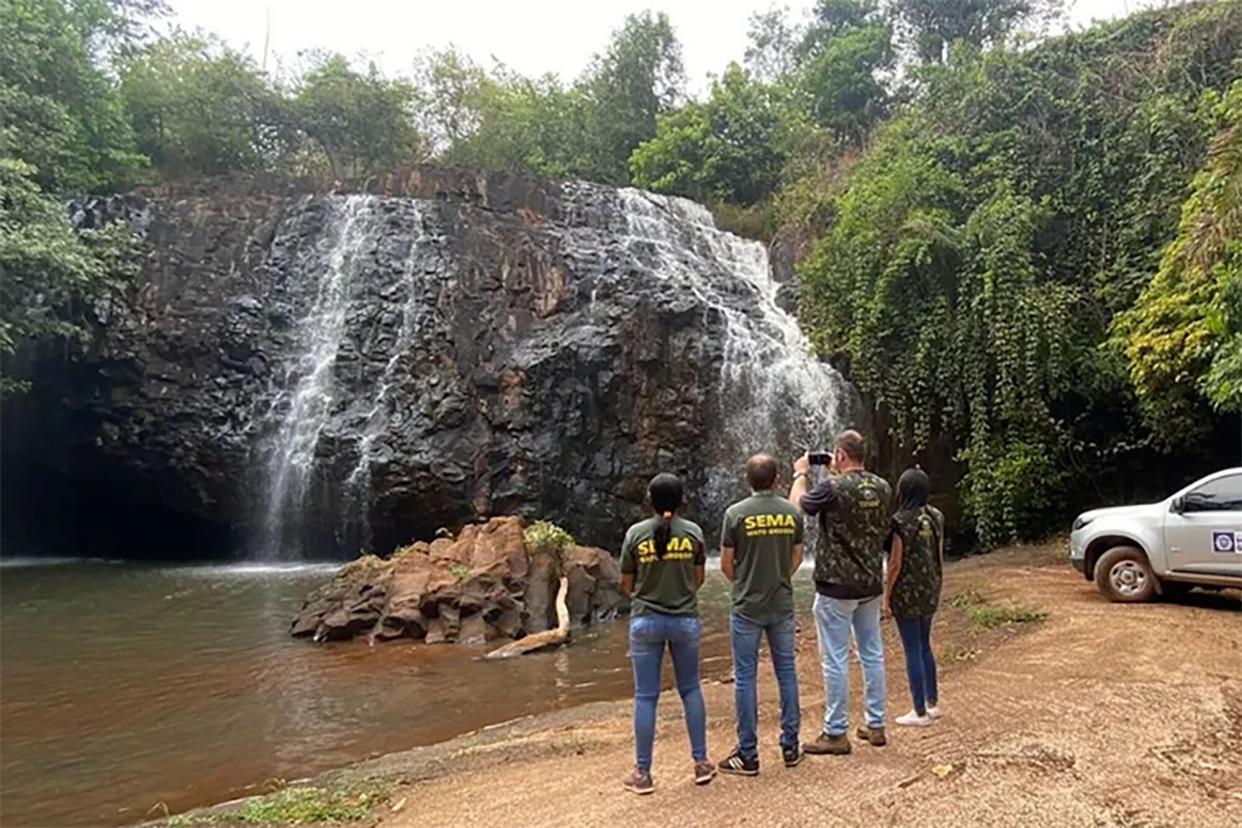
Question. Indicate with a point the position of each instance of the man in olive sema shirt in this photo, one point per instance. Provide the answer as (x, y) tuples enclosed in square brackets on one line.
[(852, 506), (760, 549)]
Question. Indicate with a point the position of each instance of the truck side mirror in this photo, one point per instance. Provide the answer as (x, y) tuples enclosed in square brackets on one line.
[(1178, 505)]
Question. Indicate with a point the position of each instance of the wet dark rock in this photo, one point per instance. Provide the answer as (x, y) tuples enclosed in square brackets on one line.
[(507, 346)]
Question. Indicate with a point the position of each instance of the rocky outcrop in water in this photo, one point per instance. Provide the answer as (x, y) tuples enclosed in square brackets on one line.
[(302, 374), (477, 587)]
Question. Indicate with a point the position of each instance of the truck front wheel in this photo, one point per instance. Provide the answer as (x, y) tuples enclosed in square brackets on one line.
[(1124, 575)]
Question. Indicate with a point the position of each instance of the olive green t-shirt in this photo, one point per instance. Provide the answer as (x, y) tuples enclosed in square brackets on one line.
[(762, 530), (663, 584)]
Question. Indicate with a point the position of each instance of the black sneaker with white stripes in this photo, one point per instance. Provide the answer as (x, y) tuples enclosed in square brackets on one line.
[(793, 756), (739, 765)]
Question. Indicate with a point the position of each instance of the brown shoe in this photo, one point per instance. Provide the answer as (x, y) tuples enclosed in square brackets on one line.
[(704, 772), (826, 744), (872, 735), (639, 782)]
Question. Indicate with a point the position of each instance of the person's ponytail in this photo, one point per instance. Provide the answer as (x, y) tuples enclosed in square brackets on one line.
[(665, 493), (663, 533)]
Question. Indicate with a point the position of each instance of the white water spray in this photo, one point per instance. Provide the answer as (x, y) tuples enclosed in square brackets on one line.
[(309, 388), (774, 394)]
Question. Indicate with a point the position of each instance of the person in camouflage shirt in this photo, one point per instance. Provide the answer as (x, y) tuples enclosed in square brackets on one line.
[(852, 507), (916, 551)]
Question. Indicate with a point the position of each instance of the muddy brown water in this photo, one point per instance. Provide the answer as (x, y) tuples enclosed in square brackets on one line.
[(128, 688)]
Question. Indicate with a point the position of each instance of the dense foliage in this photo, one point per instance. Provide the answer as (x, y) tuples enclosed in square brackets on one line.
[(1024, 250), (992, 232), (1183, 338)]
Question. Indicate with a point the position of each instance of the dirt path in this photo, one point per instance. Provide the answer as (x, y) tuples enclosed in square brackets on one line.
[(1098, 715)]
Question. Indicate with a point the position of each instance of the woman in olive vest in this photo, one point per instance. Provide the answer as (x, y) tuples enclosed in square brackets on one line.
[(916, 553), (661, 570)]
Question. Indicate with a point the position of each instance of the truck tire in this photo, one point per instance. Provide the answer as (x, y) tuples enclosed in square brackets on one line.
[(1124, 575)]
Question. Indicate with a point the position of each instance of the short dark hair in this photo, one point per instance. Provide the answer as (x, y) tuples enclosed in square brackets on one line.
[(852, 443), (761, 472)]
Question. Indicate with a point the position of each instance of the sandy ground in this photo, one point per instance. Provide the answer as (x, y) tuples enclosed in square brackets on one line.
[(1101, 714)]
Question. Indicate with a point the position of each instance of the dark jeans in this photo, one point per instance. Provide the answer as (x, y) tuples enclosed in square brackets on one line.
[(745, 635), (920, 663), (649, 633)]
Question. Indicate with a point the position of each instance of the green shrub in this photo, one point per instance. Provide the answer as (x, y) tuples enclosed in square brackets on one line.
[(545, 538)]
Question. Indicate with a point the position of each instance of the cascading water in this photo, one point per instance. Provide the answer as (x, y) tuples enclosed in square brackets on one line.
[(417, 280), (308, 392), (418, 348), (774, 395)]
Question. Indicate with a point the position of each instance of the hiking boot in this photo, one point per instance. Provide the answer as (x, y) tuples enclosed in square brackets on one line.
[(793, 756), (739, 765), (639, 782), (705, 772), (833, 744), (872, 735)]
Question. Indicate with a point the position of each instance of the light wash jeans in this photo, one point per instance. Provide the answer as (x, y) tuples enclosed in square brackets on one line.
[(649, 632), (745, 635), (834, 617)]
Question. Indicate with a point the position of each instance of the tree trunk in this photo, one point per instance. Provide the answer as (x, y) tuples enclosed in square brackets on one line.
[(543, 640)]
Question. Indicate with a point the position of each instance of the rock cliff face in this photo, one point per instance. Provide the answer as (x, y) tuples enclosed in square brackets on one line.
[(302, 374)]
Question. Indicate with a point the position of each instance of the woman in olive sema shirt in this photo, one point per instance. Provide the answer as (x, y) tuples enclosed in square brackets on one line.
[(661, 570)]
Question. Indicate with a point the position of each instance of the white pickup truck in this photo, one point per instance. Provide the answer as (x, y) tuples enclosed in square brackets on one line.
[(1192, 538)]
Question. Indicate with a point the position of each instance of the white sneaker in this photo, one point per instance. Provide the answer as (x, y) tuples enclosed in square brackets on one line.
[(934, 712), (913, 719)]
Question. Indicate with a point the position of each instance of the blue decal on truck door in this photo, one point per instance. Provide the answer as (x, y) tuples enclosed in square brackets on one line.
[(1227, 542)]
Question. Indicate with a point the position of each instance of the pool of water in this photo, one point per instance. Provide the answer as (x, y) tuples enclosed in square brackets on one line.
[(126, 688)]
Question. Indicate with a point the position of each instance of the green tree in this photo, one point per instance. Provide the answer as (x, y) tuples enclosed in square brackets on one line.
[(451, 89), (362, 122), (844, 54), (771, 54), (198, 107), (51, 272), (61, 112), (505, 121), (932, 27), (725, 148), (833, 18), (637, 78), (1183, 338)]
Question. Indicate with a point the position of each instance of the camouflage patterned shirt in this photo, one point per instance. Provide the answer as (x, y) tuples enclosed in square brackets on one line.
[(853, 510), (916, 594)]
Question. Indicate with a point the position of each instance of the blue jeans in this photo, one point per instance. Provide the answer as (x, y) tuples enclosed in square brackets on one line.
[(834, 617), (649, 632), (920, 663), (745, 635)]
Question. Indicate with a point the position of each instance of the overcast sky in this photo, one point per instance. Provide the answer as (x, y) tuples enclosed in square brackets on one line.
[(532, 37)]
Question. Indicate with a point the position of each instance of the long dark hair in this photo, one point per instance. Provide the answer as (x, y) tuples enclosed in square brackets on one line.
[(913, 489), (665, 493)]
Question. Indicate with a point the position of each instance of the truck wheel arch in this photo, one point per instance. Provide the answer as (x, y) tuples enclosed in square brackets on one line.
[(1099, 546)]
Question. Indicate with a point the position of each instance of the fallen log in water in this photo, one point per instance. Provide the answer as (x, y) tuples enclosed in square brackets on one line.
[(541, 640)]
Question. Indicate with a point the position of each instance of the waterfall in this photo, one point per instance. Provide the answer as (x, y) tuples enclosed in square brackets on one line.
[(380, 401), (774, 395), (308, 391), (420, 266)]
